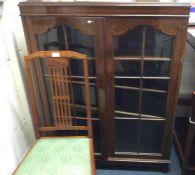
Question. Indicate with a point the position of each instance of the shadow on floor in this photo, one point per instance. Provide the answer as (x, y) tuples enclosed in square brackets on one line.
[(174, 169)]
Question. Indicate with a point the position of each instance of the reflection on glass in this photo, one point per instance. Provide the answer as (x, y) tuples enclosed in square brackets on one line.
[(126, 132), (156, 84), (121, 114), (156, 68), (157, 44), (77, 68), (127, 68), (64, 37), (151, 136), (80, 111), (141, 91), (127, 82), (96, 136), (128, 44), (192, 154), (126, 100), (79, 95), (154, 103)]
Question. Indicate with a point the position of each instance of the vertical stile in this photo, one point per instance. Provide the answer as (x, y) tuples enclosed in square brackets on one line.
[(69, 97), (52, 92), (56, 95), (32, 97), (193, 106), (65, 38), (87, 96), (67, 100), (70, 100), (63, 95), (141, 83), (60, 96)]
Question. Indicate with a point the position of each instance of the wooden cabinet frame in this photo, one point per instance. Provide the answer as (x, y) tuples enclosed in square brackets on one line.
[(107, 20)]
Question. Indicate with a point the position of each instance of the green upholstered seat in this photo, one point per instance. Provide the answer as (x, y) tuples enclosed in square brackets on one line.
[(58, 156)]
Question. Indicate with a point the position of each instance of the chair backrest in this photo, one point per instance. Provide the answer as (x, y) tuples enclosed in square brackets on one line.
[(50, 85)]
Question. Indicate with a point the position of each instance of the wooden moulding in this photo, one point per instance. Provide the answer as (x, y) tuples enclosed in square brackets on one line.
[(48, 54), (103, 9)]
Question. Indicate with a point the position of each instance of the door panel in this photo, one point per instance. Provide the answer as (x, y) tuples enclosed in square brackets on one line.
[(141, 56), (82, 35)]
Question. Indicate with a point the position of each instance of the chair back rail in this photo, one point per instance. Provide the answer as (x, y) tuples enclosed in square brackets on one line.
[(61, 96)]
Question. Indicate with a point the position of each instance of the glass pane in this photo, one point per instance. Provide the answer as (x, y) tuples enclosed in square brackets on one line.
[(192, 154), (77, 68), (151, 136), (51, 40), (156, 68), (127, 82), (126, 132), (96, 136), (126, 100), (79, 95), (122, 114), (64, 37), (127, 68), (158, 44), (128, 44), (155, 84), (80, 111), (133, 134), (154, 103)]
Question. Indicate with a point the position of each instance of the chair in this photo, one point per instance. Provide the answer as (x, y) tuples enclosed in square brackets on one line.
[(61, 155), (188, 165)]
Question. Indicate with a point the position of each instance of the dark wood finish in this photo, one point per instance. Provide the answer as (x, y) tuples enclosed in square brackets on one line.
[(193, 108), (176, 68), (185, 141), (105, 21), (105, 9)]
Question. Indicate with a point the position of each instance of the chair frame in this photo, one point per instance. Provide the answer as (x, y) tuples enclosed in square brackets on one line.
[(66, 55), (32, 100), (186, 168)]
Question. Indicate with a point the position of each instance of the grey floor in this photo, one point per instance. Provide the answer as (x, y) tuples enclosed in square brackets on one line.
[(174, 169)]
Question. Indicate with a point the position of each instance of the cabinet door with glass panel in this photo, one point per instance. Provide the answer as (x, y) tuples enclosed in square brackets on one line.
[(139, 67), (76, 34)]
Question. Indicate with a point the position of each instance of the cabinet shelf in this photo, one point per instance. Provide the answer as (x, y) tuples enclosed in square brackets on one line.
[(137, 116), (141, 77), (151, 119), (83, 107), (134, 153), (142, 89), (74, 76), (131, 58), (84, 118)]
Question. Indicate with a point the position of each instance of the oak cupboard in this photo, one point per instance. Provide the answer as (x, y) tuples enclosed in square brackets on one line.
[(135, 53)]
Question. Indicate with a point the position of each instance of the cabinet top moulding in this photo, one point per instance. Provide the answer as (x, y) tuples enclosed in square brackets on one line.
[(171, 8)]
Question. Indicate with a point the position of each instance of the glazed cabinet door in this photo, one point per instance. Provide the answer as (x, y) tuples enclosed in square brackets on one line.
[(83, 35), (142, 64)]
